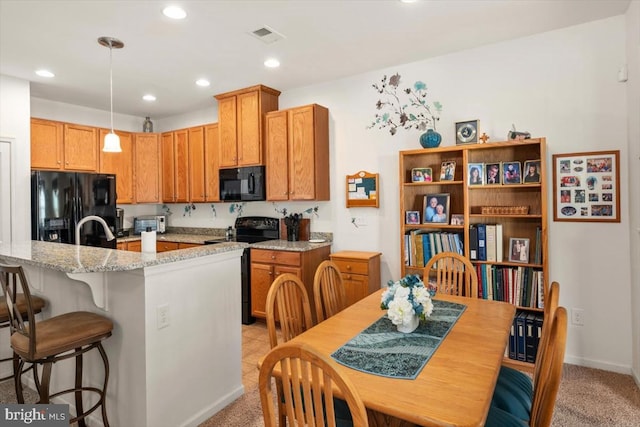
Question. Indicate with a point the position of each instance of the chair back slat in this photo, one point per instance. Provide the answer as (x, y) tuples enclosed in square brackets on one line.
[(13, 282), (307, 380), (454, 274), (328, 291), (288, 298), (545, 390)]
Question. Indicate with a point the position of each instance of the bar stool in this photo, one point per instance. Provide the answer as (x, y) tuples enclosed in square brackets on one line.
[(38, 305), (52, 340)]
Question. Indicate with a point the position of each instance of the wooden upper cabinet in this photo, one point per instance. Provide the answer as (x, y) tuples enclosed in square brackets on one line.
[(196, 164), (147, 168), (46, 144), (120, 164), (240, 123), (306, 172), (276, 158), (175, 166), (80, 148), (211, 164)]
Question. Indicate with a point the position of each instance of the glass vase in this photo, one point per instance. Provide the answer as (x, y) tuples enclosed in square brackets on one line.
[(430, 139)]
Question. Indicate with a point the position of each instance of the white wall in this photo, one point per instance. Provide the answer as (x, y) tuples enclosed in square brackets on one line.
[(561, 85), (633, 105)]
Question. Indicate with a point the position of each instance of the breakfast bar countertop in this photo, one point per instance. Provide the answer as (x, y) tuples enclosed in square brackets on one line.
[(88, 259)]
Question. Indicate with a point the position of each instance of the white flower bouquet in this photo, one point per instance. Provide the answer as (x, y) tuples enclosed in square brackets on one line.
[(407, 299)]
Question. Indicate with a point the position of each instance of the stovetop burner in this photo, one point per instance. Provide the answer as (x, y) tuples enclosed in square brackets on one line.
[(253, 229)]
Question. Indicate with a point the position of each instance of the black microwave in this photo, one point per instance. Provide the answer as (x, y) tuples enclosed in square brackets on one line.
[(242, 184)]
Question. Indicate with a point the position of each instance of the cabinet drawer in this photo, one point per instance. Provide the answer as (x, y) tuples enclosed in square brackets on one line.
[(276, 257), (351, 266)]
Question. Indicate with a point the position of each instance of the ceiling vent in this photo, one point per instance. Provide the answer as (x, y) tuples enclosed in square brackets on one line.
[(267, 35)]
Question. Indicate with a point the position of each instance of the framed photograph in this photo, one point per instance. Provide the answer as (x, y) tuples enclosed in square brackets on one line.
[(518, 250), (412, 217), (586, 186), (436, 208), (448, 170), (492, 171), (475, 173), (467, 132), (457, 219), (511, 173), (531, 172), (421, 175)]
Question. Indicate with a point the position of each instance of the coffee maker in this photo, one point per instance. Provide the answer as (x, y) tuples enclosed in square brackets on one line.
[(120, 232)]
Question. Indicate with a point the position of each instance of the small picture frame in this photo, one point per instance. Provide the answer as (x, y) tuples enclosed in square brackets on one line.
[(457, 219), (412, 217), (519, 250), (436, 208), (492, 174), (531, 172), (475, 173), (467, 132), (448, 170), (421, 175), (511, 173)]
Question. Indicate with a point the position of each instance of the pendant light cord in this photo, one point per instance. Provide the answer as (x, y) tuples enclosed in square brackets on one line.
[(111, 81)]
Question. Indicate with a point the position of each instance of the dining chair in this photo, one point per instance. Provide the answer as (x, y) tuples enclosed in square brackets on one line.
[(512, 382), (545, 390), (287, 303), (49, 341), (454, 274), (328, 290), (308, 379)]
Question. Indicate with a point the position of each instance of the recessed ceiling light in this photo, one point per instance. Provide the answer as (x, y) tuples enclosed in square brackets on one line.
[(272, 63), (45, 73), (408, 1), (202, 82), (149, 98), (174, 12)]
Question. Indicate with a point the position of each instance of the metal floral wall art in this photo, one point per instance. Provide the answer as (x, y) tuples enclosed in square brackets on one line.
[(404, 108)]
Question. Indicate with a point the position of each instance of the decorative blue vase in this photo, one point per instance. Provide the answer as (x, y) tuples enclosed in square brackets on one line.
[(430, 139)]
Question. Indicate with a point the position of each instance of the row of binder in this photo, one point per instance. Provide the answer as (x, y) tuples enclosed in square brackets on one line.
[(525, 336)]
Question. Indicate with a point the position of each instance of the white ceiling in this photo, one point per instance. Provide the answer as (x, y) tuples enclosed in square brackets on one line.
[(323, 41)]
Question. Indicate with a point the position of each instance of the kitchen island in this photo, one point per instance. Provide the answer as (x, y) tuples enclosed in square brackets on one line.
[(175, 353)]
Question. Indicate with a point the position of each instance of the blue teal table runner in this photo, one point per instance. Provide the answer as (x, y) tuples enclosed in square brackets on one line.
[(381, 350)]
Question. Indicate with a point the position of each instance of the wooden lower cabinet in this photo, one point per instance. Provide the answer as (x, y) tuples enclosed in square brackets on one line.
[(166, 246), (187, 245), (268, 264), (134, 246), (360, 273)]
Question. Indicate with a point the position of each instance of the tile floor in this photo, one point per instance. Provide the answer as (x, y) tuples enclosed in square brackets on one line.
[(255, 344)]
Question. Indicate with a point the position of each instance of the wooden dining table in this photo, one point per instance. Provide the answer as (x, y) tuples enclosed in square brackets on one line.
[(456, 385)]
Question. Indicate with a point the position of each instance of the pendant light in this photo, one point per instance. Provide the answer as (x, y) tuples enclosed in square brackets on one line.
[(111, 140)]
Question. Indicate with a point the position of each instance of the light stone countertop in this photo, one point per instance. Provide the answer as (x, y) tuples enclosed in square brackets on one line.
[(89, 259), (285, 245), (175, 237)]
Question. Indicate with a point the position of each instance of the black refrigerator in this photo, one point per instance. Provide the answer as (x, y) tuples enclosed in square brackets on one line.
[(59, 200)]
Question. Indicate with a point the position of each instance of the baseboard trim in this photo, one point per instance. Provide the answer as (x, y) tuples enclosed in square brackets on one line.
[(214, 408), (598, 364)]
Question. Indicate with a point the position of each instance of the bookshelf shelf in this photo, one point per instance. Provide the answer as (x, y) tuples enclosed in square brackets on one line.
[(469, 200)]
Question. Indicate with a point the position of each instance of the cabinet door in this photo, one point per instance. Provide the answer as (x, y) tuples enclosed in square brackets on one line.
[(181, 152), (147, 168), (166, 246), (356, 287), (168, 169), (301, 154), (121, 246), (249, 129), (276, 157), (282, 269), (211, 164), (188, 245), (261, 279), (80, 148), (196, 164), (120, 164), (135, 246), (46, 144), (228, 127)]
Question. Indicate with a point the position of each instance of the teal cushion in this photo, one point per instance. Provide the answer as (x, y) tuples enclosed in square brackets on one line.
[(513, 379), (512, 399), (499, 418)]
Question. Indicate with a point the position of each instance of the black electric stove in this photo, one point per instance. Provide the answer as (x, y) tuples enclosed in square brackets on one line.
[(251, 229)]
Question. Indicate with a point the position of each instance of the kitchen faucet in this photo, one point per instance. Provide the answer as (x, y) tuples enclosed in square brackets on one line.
[(88, 218)]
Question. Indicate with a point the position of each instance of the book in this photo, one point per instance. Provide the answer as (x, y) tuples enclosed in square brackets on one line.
[(482, 242), (491, 242), (520, 337), (512, 339), (538, 325), (457, 238), (530, 337), (417, 241), (426, 248), (499, 243), (473, 242)]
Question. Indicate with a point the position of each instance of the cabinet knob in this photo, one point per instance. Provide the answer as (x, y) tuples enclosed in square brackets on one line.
[(273, 257), (59, 162), (348, 277), (348, 267)]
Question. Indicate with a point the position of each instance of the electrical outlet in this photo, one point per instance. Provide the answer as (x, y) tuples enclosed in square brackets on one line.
[(163, 316), (577, 316)]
